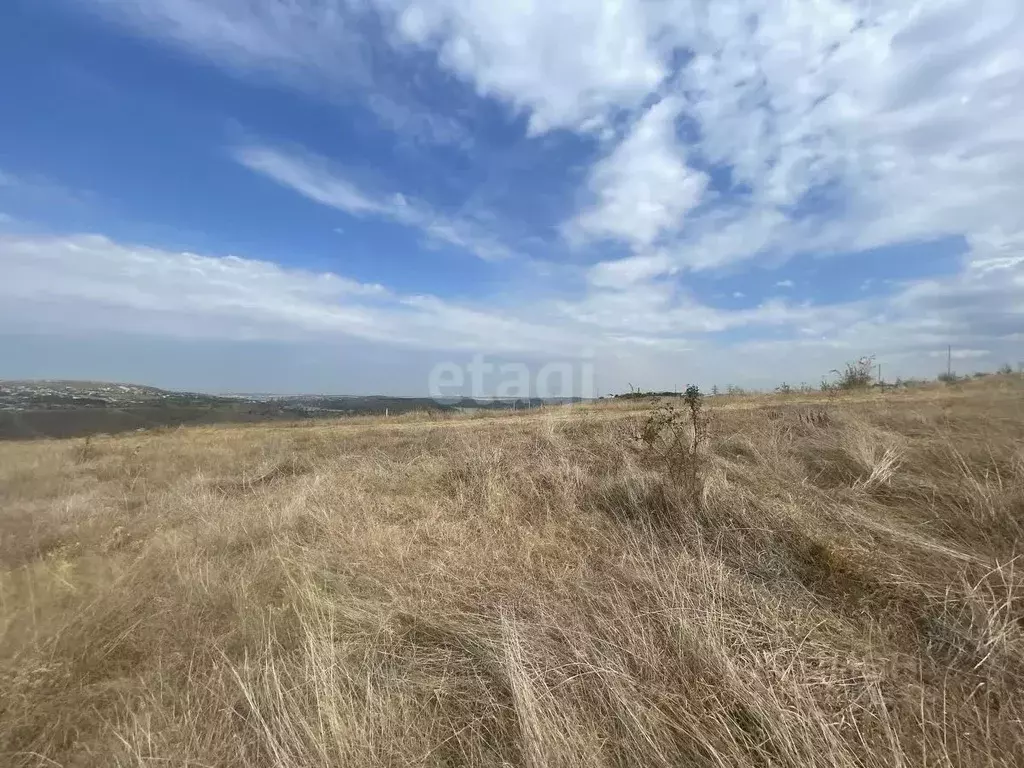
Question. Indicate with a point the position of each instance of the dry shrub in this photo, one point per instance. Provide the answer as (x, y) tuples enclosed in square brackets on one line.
[(794, 589)]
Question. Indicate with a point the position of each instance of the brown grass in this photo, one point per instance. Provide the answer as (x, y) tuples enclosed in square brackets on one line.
[(842, 587)]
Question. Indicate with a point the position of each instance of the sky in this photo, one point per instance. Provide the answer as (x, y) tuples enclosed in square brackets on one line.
[(342, 195)]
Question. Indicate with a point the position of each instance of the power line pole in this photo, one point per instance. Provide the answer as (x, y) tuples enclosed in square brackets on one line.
[(949, 361)]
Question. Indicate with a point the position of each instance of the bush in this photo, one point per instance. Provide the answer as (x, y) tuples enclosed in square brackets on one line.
[(857, 374)]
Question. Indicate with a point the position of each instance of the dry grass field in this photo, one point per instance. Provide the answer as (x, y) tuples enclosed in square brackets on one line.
[(817, 583)]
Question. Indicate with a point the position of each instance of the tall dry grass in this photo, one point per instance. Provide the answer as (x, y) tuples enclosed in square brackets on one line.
[(839, 584)]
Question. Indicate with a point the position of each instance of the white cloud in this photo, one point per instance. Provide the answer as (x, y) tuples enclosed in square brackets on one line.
[(310, 42), (19, 190), (89, 283), (313, 178), (784, 284), (858, 125), (644, 188), (977, 309), (981, 307), (665, 314), (842, 124), (566, 64), (309, 177), (620, 273), (319, 47), (848, 124)]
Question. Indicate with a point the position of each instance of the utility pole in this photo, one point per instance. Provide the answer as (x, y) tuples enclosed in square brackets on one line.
[(949, 361), (879, 373)]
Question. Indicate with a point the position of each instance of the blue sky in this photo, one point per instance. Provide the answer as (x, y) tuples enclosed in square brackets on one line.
[(338, 195)]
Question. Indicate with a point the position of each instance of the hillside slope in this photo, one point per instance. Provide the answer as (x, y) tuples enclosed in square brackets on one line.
[(815, 584)]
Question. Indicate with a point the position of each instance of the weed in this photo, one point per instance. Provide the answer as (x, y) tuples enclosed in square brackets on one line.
[(86, 450), (857, 374), (674, 441)]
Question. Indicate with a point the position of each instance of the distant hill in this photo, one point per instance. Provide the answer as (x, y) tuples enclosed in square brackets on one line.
[(64, 408), (67, 408)]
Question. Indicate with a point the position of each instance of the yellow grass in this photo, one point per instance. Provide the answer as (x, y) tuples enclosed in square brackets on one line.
[(823, 584)]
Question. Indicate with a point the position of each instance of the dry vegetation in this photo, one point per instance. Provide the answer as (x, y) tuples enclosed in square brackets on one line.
[(820, 583)]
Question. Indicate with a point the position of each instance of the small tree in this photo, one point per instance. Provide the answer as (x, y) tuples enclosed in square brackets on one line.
[(1005, 369)]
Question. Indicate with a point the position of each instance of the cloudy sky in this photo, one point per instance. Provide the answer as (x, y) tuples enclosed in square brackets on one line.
[(337, 195)]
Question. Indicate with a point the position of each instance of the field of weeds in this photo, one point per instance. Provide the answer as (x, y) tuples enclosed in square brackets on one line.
[(804, 582)]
